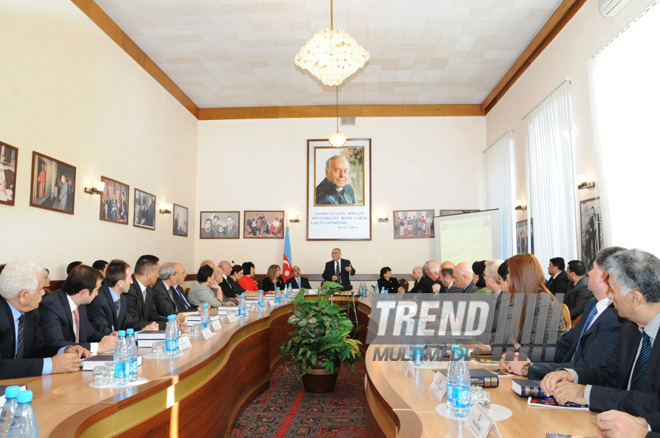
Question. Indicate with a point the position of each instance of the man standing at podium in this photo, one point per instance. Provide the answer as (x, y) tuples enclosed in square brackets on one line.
[(339, 270)]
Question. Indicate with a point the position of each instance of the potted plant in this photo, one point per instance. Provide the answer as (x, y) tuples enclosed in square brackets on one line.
[(320, 339)]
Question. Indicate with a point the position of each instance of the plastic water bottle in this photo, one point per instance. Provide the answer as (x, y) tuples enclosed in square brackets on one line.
[(23, 422), (171, 336), (242, 307), (11, 392), (278, 296), (132, 355), (206, 316), (286, 293), (121, 359), (460, 383), (261, 299)]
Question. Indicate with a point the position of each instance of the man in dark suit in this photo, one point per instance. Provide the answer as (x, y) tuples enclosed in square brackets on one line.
[(592, 339), (140, 296), (231, 230), (447, 278), (334, 189), (338, 270), (63, 313), (297, 281), (430, 282), (629, 379), (463, 279), (617, 424), (169, 298), (558, 283), (23, 350), (230, 289), (577, 293), (417, 276), (108, 312)]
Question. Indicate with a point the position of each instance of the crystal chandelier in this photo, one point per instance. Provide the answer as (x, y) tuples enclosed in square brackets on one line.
[(332, 55)]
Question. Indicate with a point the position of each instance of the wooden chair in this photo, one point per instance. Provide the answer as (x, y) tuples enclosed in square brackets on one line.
[(403, 282), (566, 314)]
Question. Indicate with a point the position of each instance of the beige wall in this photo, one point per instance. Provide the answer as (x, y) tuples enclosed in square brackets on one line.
[(69, 92), (417, 163)]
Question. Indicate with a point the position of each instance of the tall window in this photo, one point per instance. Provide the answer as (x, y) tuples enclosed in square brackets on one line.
[(625, 91), (499, 189), (550, 186)]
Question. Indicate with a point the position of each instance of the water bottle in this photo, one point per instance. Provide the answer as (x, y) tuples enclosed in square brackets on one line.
[(261, 299), (242, 307), (11, 392), (278, 296), (286, 293), (460, 383), (171, 337), (132, 355), (121, 359), (363, 289), (416, 354), (23, 422), (206, 316)]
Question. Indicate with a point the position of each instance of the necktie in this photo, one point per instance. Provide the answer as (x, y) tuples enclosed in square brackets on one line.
[(20, 340), (183, 303), (337, 271), (590, 319), (640, 365), (76, 319), (298, 280), (117, 306)]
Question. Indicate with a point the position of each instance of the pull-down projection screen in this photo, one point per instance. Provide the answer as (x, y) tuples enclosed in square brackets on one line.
[(467, 237)]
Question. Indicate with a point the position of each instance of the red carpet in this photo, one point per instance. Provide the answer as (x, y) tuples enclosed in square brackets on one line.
[(286, 410)]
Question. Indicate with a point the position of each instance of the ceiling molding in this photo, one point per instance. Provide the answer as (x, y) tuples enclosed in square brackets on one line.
[(565, 11)]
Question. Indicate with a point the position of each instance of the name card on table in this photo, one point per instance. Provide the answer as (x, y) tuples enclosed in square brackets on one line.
[(479, 424), (216, 325), (439, 386), (232, 317), (207, 333), (184, 343)]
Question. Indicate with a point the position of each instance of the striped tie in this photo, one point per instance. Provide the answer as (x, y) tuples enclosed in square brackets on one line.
[(590, 319), (20, 341), (640, 366)]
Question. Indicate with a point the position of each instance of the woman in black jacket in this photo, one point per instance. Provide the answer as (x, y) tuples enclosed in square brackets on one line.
[(388, 282)]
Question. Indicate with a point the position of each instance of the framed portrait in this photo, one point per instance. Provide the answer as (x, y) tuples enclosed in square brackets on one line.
[(219, 224), (524, 237), (413, 224), (180, 220), (114, 201), (53, 184), (339, 190), (264, 224), (590, 227), (8, 160), (144, 214)]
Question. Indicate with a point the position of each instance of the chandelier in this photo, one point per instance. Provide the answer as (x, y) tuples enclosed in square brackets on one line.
[(332, 55)]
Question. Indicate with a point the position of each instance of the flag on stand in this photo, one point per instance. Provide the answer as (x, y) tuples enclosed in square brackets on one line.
[(286, 262)]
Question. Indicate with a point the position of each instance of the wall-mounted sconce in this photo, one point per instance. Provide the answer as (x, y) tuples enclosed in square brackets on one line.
[(294, 219), (165, 209), (521, 207), (95, 188), (384, 217), (586, 185)]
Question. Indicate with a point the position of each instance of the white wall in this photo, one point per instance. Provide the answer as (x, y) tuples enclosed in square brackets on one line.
[(417, 163), (565, 57), (70, 92)]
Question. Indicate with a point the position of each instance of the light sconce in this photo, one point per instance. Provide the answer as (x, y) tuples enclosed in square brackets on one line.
[(294, 219), (384, 217), (586, 185), (165, 209), (521, 207), (96, 188)]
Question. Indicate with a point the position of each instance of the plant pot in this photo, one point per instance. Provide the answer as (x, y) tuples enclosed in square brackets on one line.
[(319, 381)]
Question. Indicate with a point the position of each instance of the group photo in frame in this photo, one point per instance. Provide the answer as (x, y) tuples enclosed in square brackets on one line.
[(180, 220), (145, 210), (219, 224), (114, 201), (8, 160), (263, 224), (53, 184), (339, 190), (590, 229), (413, 224)]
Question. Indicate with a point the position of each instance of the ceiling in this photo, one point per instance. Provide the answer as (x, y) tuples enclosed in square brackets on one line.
[(239, 53)]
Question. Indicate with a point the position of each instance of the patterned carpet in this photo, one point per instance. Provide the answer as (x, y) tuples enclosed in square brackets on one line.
[(286, 410)]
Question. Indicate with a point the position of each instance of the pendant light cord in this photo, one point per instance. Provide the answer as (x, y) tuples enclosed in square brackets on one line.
[(337, 101)]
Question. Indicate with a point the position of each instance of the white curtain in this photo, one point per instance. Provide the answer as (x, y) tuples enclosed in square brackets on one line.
[(624, 79), (500, 188), (550, 181)]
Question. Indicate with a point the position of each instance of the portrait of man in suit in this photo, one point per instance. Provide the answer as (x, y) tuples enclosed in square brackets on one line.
[(337, 186)]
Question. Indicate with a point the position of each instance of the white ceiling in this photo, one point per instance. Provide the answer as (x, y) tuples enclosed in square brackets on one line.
[(237, 53)]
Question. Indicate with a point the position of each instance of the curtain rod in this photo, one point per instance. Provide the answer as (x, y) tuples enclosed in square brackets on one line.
[(498, 139), (546, 98)]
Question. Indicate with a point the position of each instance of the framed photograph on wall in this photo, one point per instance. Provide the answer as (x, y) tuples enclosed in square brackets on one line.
[(180, 220), (53, 184), (114, 201), (591, 232), (219, 224), (263, 224), (413, 224), (524, 237), (8, 160), (145, 210), (339, 190)]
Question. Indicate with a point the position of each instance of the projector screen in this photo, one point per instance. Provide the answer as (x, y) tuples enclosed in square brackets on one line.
[(467, 237)]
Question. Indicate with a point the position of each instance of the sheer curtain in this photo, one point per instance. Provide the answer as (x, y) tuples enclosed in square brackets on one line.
[(499, 189), (550, 182), (625, 91)]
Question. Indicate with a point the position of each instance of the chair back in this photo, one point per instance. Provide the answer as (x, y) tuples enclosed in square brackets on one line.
[(566, 314)]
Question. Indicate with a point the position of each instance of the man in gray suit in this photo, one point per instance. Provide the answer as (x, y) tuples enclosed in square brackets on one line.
[(577, 293), (463, 278)]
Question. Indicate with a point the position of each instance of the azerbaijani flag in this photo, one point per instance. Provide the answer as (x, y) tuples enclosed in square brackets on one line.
[(286, 262)]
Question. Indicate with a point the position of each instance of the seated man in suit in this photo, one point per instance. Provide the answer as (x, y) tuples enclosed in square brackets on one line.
[(592, 339), (108, 312), (297, 281), (629, 379), (617, 424), (169, 298), (230, 289), (63, 313), (140, 296), (463, 278), (338, 270), (23, 350), (416, 276), (558, 283), (334, 189), (577, 293), (430, 282), (447, 278)]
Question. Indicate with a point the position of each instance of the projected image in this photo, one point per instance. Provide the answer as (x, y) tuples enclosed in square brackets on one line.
[(469, 237), (413, 224)]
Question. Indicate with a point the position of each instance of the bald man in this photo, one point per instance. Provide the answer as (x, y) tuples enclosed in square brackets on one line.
[(417, 275), (463, 276)]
